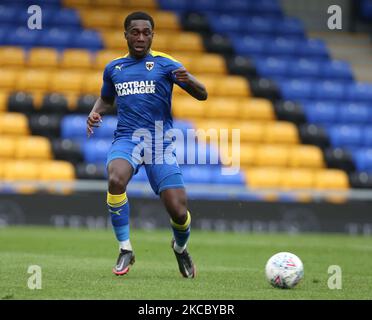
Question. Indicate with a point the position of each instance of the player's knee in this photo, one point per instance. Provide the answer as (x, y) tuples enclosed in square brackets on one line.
[(117, 183), (178, 210)]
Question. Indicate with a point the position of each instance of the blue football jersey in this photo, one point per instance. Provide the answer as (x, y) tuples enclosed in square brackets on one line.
[(143, 91)]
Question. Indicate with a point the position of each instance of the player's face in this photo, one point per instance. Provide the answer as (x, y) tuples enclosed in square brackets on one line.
[(139, 37)]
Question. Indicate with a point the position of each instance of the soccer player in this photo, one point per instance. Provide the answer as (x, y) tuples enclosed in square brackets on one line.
[(142, 83)]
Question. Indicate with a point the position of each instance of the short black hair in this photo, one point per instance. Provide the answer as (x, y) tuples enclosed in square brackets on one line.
[(138, 15)]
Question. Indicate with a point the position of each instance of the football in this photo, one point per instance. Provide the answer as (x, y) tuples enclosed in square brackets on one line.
[(284, 270)]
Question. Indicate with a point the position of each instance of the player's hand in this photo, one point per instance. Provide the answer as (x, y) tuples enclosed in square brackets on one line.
[(94, 120), (182, 75)]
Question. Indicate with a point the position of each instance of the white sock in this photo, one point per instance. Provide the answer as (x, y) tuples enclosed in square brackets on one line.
[(125, 245), (178, 249)]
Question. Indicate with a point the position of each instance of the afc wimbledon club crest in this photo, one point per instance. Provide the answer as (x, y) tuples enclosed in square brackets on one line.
[(149, 65)]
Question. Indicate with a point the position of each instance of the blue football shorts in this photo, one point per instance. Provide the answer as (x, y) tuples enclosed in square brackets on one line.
[(162, 176)]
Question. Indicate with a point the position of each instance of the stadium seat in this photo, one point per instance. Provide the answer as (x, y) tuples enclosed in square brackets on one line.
[(222, 108), (34, 80), (331, 179), (43, 58), (7, 147), (289, 27), (207, 64), (3, 101), (8, 79), (314, 48), (304, 68), (297, 90), (321, 112), (248, 154), (250, 131), (306, 156), (95, 150), (256, 109), (189, 41), (359, 91), (272, 66), (87, 39), (354, 113), (103, 57), (281, 132), (367, 136), (345, 135), (165, 20), (114, 40), (57, 171), (235, 86), (12, 57), (293, 179), (329, 90), (64, 17), (92, 83), (22, 36), (263, 178), (98, 18), (272, 156), (76, 59), (197, 174), (73, 126), (187, 108), (21, 170), (66, 82), (106, 129), (363, 159), (336, 69), (33, 148), (13, 123), (56, 38)]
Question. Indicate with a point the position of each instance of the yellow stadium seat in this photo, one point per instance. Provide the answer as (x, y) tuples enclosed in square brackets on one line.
[(250, 131), (76, 58), (331, 179), (185, 59), (7, 147), (208, 64), (34, 79), (162, 42), (108, 3), (12, 57), (92, 83), (57, 171), (187, 107), (210, 130), (8, 79), (222, 108), (210, 82), (21, 170), (256, 109), (297, 179), (114, 40), (3, 101), (67, 81), (281, 132), (263, 178), (12, 123), (306, 156), (77, 3), (97, 18), (187, 41), (248, 153), (104, 57), (272, 156), (232, 86), (43, 58), (142, 4), (33, 147), (167, 21)]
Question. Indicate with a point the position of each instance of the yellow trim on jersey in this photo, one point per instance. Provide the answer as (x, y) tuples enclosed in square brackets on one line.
[(162, 54)]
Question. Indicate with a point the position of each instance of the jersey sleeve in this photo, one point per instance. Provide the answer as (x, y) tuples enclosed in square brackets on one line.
[(108, 89), (173, 66)]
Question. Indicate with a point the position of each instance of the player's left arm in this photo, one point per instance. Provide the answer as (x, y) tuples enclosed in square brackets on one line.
[(190, 84)]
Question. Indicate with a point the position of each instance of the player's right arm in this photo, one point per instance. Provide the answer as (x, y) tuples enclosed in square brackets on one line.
[(103, 103)]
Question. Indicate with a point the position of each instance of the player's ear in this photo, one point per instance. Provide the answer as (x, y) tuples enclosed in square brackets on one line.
[(125, 35)]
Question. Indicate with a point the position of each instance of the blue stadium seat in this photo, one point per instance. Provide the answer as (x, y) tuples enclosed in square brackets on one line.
[(22, 36), (87, 39), (95, 151), (359, 91), (283, 46), (234, 6), (345, 135), (329, 90), (9, 13), (336, 69), (56, 38), (174, 5), (218, 178), (297, 89), (290, 27), (354, 113), (363, 159), (47, 17), (266, 7), (272, 67), (74, 126), (249, 45), (257, 25), (204, 5), (320, 112), (314, 48), (224, 23), (66, 17), (5, 30), (367, 136), (304, 68)]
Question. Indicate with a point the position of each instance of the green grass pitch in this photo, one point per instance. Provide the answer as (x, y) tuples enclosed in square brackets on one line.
[(76, 264)]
